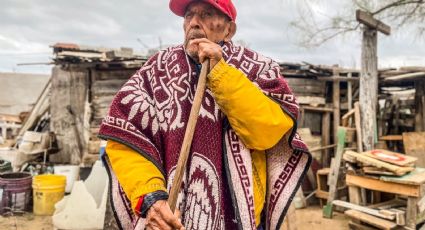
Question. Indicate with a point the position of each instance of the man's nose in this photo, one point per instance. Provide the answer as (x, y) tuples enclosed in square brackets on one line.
[(195, 21)]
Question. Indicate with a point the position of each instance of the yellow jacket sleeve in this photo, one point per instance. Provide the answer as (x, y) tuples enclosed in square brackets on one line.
[(258, 120), (137, 175)]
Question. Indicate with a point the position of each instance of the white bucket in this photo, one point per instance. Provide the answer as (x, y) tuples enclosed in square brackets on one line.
[(71, 172)]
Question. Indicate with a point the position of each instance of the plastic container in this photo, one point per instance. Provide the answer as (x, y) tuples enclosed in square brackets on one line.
[(47, 190), (71, 172), (15, 192)]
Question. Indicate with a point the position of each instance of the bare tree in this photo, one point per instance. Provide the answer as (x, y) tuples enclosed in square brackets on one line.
[(320, 21)]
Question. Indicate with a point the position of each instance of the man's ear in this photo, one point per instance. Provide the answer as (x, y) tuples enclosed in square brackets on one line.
[(231, 31)]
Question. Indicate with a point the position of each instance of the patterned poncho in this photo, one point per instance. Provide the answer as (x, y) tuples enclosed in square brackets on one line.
[(150, 114)]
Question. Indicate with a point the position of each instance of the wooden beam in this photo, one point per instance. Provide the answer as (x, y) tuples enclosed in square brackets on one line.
[(368, 97), (378, 185), (409, 76), (369, 219), (318, 109), (356, 226), (357, 122), (322, 148), (367, 19), (336, 105), (370, 211), (345, 79), (326, 127), (398, 170), (391, 138), (334, 172)]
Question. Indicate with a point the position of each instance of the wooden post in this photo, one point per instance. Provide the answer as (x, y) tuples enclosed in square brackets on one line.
[(420, 107), (326, 124), (369, 75), (334, 172), (336, 105), (349, 96)]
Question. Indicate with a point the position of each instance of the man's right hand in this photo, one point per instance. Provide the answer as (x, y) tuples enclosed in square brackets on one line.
[(160, 217)]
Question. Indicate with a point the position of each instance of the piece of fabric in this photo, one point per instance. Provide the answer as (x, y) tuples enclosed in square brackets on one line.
[(144, 172), (150, 113), (239, 99)]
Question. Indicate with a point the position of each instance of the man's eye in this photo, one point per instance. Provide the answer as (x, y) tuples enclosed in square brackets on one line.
[(188, 15), (207, 14)]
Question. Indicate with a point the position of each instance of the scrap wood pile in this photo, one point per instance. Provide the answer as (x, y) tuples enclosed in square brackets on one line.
[(383, 171), (74, 53), (379, 162)]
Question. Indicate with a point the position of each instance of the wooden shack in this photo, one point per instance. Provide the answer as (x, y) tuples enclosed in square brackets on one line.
[(84, 82)]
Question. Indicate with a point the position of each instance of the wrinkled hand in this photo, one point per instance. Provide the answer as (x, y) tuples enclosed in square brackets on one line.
[(160, 217), (208, 50)]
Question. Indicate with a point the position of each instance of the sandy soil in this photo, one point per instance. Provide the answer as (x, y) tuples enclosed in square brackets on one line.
[(311, 219), (307, 219), (26, 222)]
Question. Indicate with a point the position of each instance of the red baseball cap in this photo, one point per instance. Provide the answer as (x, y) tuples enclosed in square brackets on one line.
[(226, 6)]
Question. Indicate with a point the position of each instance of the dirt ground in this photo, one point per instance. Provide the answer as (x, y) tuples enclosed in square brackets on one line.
[(307, 219), (311, 219), (26, 222)]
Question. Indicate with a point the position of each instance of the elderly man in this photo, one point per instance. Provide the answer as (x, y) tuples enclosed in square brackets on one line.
[(246, 160)]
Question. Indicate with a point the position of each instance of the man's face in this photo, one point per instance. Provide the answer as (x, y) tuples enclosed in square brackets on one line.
[(202, 20)]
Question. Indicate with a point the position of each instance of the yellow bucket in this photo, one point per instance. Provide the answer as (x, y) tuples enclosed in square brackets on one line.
[(47, 190)]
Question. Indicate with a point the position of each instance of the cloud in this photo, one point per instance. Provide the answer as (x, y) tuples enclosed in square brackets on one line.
[(29, 27)]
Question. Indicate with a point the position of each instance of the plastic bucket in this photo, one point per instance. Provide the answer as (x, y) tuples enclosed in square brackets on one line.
[(15, 192), (5, 166), (47, 190), (71, 172)]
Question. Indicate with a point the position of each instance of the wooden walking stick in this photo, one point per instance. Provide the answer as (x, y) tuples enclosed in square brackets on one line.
[(188, 136)]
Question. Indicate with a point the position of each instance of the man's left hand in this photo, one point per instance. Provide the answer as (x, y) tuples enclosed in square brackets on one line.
[(208, 50)]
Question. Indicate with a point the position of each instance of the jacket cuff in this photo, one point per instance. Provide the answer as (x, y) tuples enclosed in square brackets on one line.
[(150, 199)]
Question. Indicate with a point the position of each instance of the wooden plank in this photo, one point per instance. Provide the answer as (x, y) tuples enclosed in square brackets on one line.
[(334, 172), (69, 91), (346, 116), (350, 95), (370, 211), (383, 186), (416, 177), (414, 145), (342, 79), (398, 170), (391, 157), (368, 97), (317, 109), (322, 148), (408, 76), (411, 212), (368, 20), (357, 226), (41, 105), (358, 127), (369, 219), (377, 171), (391, 138), (311, 100), (400, 216), (10, 118), (326, 126), (354, 194), (336, 105), (394, 203)]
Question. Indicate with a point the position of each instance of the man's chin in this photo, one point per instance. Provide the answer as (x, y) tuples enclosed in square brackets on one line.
[(193, 53)]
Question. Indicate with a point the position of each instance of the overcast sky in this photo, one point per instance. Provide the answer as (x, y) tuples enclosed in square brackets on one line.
[(28, 28)]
